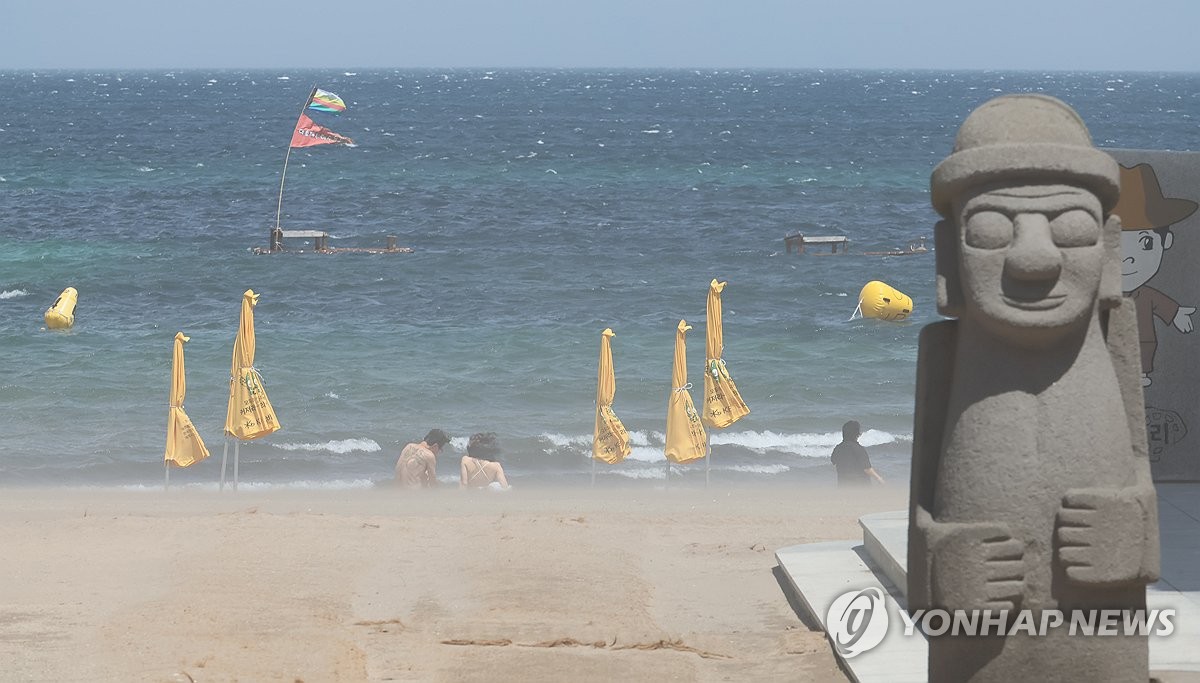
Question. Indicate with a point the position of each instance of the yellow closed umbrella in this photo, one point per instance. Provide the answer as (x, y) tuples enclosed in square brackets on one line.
[(610, 441), (249, 414), (685, 433), (184, 445), (723, 405)]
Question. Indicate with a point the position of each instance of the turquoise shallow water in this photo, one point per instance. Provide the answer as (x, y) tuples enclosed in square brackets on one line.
[(542, 206)]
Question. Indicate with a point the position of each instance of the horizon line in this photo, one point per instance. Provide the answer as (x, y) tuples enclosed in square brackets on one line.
[(796, 69)]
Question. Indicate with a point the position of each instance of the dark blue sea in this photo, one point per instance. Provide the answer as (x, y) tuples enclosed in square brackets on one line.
[(542, 207)]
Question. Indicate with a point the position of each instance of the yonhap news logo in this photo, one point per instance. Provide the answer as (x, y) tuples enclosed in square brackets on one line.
[(857, 621)]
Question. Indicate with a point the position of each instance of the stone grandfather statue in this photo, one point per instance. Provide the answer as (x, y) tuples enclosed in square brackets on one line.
[(1030, 478)]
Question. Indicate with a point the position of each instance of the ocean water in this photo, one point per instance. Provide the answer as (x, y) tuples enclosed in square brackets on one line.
[(543, 206)]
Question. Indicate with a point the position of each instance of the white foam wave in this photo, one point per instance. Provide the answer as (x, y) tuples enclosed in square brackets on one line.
[(644, 438), (640, 474), (647, 454), (875, 437), (757, 469), (644, 448), (13, 294), (648, 445), (564, 441), (305, 485), (340, 447), (809, 445)]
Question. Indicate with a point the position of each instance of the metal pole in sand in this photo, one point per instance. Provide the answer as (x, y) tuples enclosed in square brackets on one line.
[(237, 447), (224, 458), (593, 471), (167, 469), (707, 457)]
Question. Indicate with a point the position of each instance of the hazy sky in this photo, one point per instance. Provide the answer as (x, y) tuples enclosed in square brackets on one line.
[(1160, 35)]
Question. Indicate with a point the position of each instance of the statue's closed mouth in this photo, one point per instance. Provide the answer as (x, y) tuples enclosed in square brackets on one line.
[(1041, 303)]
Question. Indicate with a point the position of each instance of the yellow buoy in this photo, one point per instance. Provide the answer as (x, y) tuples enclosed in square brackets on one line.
[(61, 314), (883, 302)]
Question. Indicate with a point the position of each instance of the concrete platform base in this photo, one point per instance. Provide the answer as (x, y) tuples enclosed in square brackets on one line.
[(817, 573)]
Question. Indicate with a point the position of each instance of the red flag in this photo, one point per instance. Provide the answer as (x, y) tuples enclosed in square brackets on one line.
[(308, 134)]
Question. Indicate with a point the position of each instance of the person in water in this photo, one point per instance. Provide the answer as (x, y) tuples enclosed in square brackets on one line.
[(479, 468), (851, 460), (416, 467)]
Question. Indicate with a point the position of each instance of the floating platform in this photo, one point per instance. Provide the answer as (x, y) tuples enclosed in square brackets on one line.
[(320, 240), (800, 242), (364, 250), (914, 247)]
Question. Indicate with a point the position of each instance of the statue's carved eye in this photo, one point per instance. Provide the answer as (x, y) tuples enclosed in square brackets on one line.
[(1075, 228), (988, 230)]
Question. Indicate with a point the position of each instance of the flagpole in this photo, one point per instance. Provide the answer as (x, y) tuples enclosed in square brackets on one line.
[(286, 157)]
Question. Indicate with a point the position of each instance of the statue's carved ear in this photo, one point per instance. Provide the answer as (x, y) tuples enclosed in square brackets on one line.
[(1110, 275), (949, 285)]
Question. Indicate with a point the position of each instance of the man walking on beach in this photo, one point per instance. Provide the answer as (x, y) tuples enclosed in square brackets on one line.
[(417, 466), (851, 459)]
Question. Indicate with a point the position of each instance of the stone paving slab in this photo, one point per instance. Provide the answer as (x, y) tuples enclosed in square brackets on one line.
[(818, 573)]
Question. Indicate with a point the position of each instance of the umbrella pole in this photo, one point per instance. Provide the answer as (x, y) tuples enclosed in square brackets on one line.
[(237, 448), (707, 458), (224, 458), (667, 481), (593, 471), (167, 476)]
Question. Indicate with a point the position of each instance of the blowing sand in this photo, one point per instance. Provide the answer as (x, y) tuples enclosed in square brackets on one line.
[(383, 585)]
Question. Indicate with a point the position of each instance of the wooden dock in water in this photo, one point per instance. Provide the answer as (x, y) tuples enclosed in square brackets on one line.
[(799, 242)]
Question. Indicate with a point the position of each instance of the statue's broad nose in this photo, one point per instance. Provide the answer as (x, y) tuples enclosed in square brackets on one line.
[(1033, 254)]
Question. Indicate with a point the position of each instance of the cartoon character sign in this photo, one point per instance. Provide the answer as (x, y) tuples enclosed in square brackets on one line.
[(1146, 220)]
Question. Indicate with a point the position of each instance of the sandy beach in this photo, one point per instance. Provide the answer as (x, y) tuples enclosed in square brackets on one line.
[(383, 585)]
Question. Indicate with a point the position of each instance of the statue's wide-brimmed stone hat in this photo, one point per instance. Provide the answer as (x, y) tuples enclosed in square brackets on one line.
[(1032, 138), (1142, 205)]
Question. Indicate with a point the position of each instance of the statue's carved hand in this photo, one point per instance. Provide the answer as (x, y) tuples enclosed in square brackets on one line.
[(978, 566), (1101, 534)]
